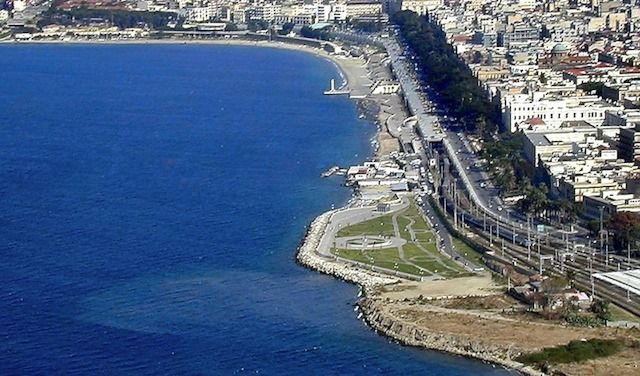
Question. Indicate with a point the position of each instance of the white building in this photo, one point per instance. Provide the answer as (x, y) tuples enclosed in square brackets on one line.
[(323, 13), (267, 11), (552, 111), (197, 14), (420, 6), (363, 8), (338, 12)]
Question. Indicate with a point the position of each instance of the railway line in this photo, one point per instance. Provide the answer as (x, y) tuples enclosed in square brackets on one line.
[(518, 247)]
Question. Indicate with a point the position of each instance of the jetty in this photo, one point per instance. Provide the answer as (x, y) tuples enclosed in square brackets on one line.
[(335, 170), (334, 91)]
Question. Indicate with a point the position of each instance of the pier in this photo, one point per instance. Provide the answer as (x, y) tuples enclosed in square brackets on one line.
[(334, 91)]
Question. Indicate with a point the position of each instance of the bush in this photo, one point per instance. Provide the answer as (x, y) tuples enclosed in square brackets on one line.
[(583, 320), (574, 351)]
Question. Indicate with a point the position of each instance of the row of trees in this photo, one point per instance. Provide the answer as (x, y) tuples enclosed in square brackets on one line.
[(309, 32), (120, 18), (509, 170), (625, 227), (449, 75)]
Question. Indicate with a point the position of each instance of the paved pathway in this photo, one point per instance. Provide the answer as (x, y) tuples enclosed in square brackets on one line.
[(347, 217)]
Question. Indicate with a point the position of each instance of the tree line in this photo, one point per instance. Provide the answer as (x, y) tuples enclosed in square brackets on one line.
[(123, 19), (457, 86)]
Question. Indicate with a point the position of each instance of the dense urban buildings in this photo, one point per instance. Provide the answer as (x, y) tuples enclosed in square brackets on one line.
[(564, 74)]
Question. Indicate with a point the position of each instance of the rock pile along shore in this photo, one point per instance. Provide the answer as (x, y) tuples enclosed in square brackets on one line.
[(308, 257)]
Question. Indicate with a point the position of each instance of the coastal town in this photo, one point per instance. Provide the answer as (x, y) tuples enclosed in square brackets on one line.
[(499, 215)]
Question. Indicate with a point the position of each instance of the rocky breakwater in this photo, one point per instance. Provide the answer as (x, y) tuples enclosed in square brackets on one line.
[(379, 314), (310, 258), (381, 318)]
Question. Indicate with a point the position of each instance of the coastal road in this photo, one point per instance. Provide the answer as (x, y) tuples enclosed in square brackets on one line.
[(419, 105)]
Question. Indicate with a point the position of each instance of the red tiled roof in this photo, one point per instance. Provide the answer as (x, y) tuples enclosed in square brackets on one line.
[(535, 121)]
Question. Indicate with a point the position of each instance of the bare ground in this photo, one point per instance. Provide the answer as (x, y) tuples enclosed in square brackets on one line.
[(482, 318)]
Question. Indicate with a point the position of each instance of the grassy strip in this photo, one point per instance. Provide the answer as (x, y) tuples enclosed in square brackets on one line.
[(619, 314), (468, 252), (383, 258), (479, 249), (574, 351), (377, 226)]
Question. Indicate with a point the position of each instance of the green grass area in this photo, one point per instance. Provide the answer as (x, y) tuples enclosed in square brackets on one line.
[(425, 237), (468, 252), (384, 258), (574, 351), (403, 224), (377, 226), (418, 254), (619, 314)]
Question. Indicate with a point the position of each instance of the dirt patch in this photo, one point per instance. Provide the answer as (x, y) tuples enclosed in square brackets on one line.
[(490, 302), (498, 330), (476, 286), (494, 321), (626, 362)]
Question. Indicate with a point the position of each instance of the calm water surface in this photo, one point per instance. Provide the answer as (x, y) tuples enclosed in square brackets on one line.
[(151, 200)]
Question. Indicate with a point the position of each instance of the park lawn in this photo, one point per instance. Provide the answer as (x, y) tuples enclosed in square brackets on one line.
[(379, 256), (431, 262), (454, 266), (411, 269), (415, 258), (351, 254), (403, 224), (376, 226), (384, 258), (412, 250), (421, 224), (425, 237)]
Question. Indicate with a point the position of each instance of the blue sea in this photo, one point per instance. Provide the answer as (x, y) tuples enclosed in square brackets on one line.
[(151, 201)]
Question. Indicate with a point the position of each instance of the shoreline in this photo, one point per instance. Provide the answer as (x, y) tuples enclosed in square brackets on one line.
[(370, 282), (306, 255)]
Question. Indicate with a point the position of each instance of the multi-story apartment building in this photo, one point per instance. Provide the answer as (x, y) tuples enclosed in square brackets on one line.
[(420, 6), (520, 33), (629, 144), (553, 110), (363, 8), (267, 11)]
